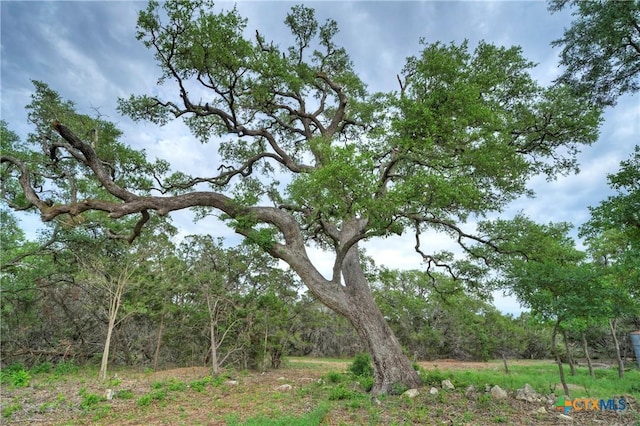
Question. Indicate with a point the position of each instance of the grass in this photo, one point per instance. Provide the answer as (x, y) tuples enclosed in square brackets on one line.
[(324, 391)]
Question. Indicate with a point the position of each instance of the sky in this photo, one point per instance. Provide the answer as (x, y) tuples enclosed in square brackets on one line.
[(87, 52)]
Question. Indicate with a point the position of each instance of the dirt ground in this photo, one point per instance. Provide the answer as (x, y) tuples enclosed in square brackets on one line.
[(256, 394)]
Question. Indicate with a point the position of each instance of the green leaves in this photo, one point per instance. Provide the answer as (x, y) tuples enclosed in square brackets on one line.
[(601, 49)]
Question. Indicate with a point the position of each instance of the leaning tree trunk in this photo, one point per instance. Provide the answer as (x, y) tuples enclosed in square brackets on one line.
[(558, 358), (351, 297), (392, 368), (585, 348), (570, 360), (616, 344)]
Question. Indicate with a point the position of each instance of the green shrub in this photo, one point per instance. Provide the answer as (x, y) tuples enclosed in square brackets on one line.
[(65, 367), (201, 384), (124, 394), (342, 392), (10, 409), (15, 375), (361, 366), (432, 378), (334, 377), (21, 379), (89, 400), (176, 386), (42, 368), (158, 395), (366, 382)]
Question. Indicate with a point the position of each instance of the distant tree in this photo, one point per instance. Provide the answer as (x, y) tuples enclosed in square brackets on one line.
[(601, 48), (311, 158), (612, 234), (545, 272)]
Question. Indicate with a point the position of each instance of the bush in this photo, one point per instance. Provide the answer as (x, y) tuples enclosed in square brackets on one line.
[(44, 367), (432, 378), (361, 366)]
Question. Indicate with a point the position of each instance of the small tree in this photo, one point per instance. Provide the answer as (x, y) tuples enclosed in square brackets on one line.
[(545, 272)]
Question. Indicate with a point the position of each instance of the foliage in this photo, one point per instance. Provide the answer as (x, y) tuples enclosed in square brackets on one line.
[(89, 400), (314, 417), (601, 48), (613, 234), (361, 366)]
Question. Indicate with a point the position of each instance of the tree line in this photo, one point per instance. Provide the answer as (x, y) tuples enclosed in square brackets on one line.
[(77, 295)]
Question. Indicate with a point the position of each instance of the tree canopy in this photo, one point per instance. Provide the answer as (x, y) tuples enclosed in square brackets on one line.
[(601, 48)]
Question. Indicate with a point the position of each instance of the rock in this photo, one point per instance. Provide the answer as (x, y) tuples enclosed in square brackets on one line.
[(110, 394), (231, 382), (281, 379), (527, 394), (540, 410), (433, 391), (470, 392), (446, 384), (565, 417), (411, 393), (284, 388), (498, 393)]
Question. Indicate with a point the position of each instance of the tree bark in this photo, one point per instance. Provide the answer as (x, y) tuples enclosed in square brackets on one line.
[(156, 354), (556, 354), (616, 344), (585, 348), (212, 332), (392, 368), (352, 299), (572, 363)]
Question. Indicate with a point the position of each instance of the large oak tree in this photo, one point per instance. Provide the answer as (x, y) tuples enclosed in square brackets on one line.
[(308, 156)]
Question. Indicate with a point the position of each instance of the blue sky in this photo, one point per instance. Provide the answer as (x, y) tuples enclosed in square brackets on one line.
[(87, 51)]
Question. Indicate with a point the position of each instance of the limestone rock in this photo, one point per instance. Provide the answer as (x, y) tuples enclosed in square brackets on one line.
[(470, 392), (527, 394), (446, 384), (565, 417), (411, 393), (498, 393), (284, 388), (540, 410), (433, 391), (231, 382)]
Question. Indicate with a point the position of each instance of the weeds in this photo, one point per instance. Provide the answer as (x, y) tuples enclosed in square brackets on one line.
[(10, 409), (312, 418), (89, 400)]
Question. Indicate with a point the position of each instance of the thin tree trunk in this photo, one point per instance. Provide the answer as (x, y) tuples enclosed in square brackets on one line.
[(156, 354), (556, 354), (585, 349), (504, 361), (616, 344), (572, 363), (266, 336), (212, 332), (114, 305)]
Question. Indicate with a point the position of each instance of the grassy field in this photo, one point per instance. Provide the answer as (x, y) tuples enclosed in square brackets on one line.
[(306, 392)]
